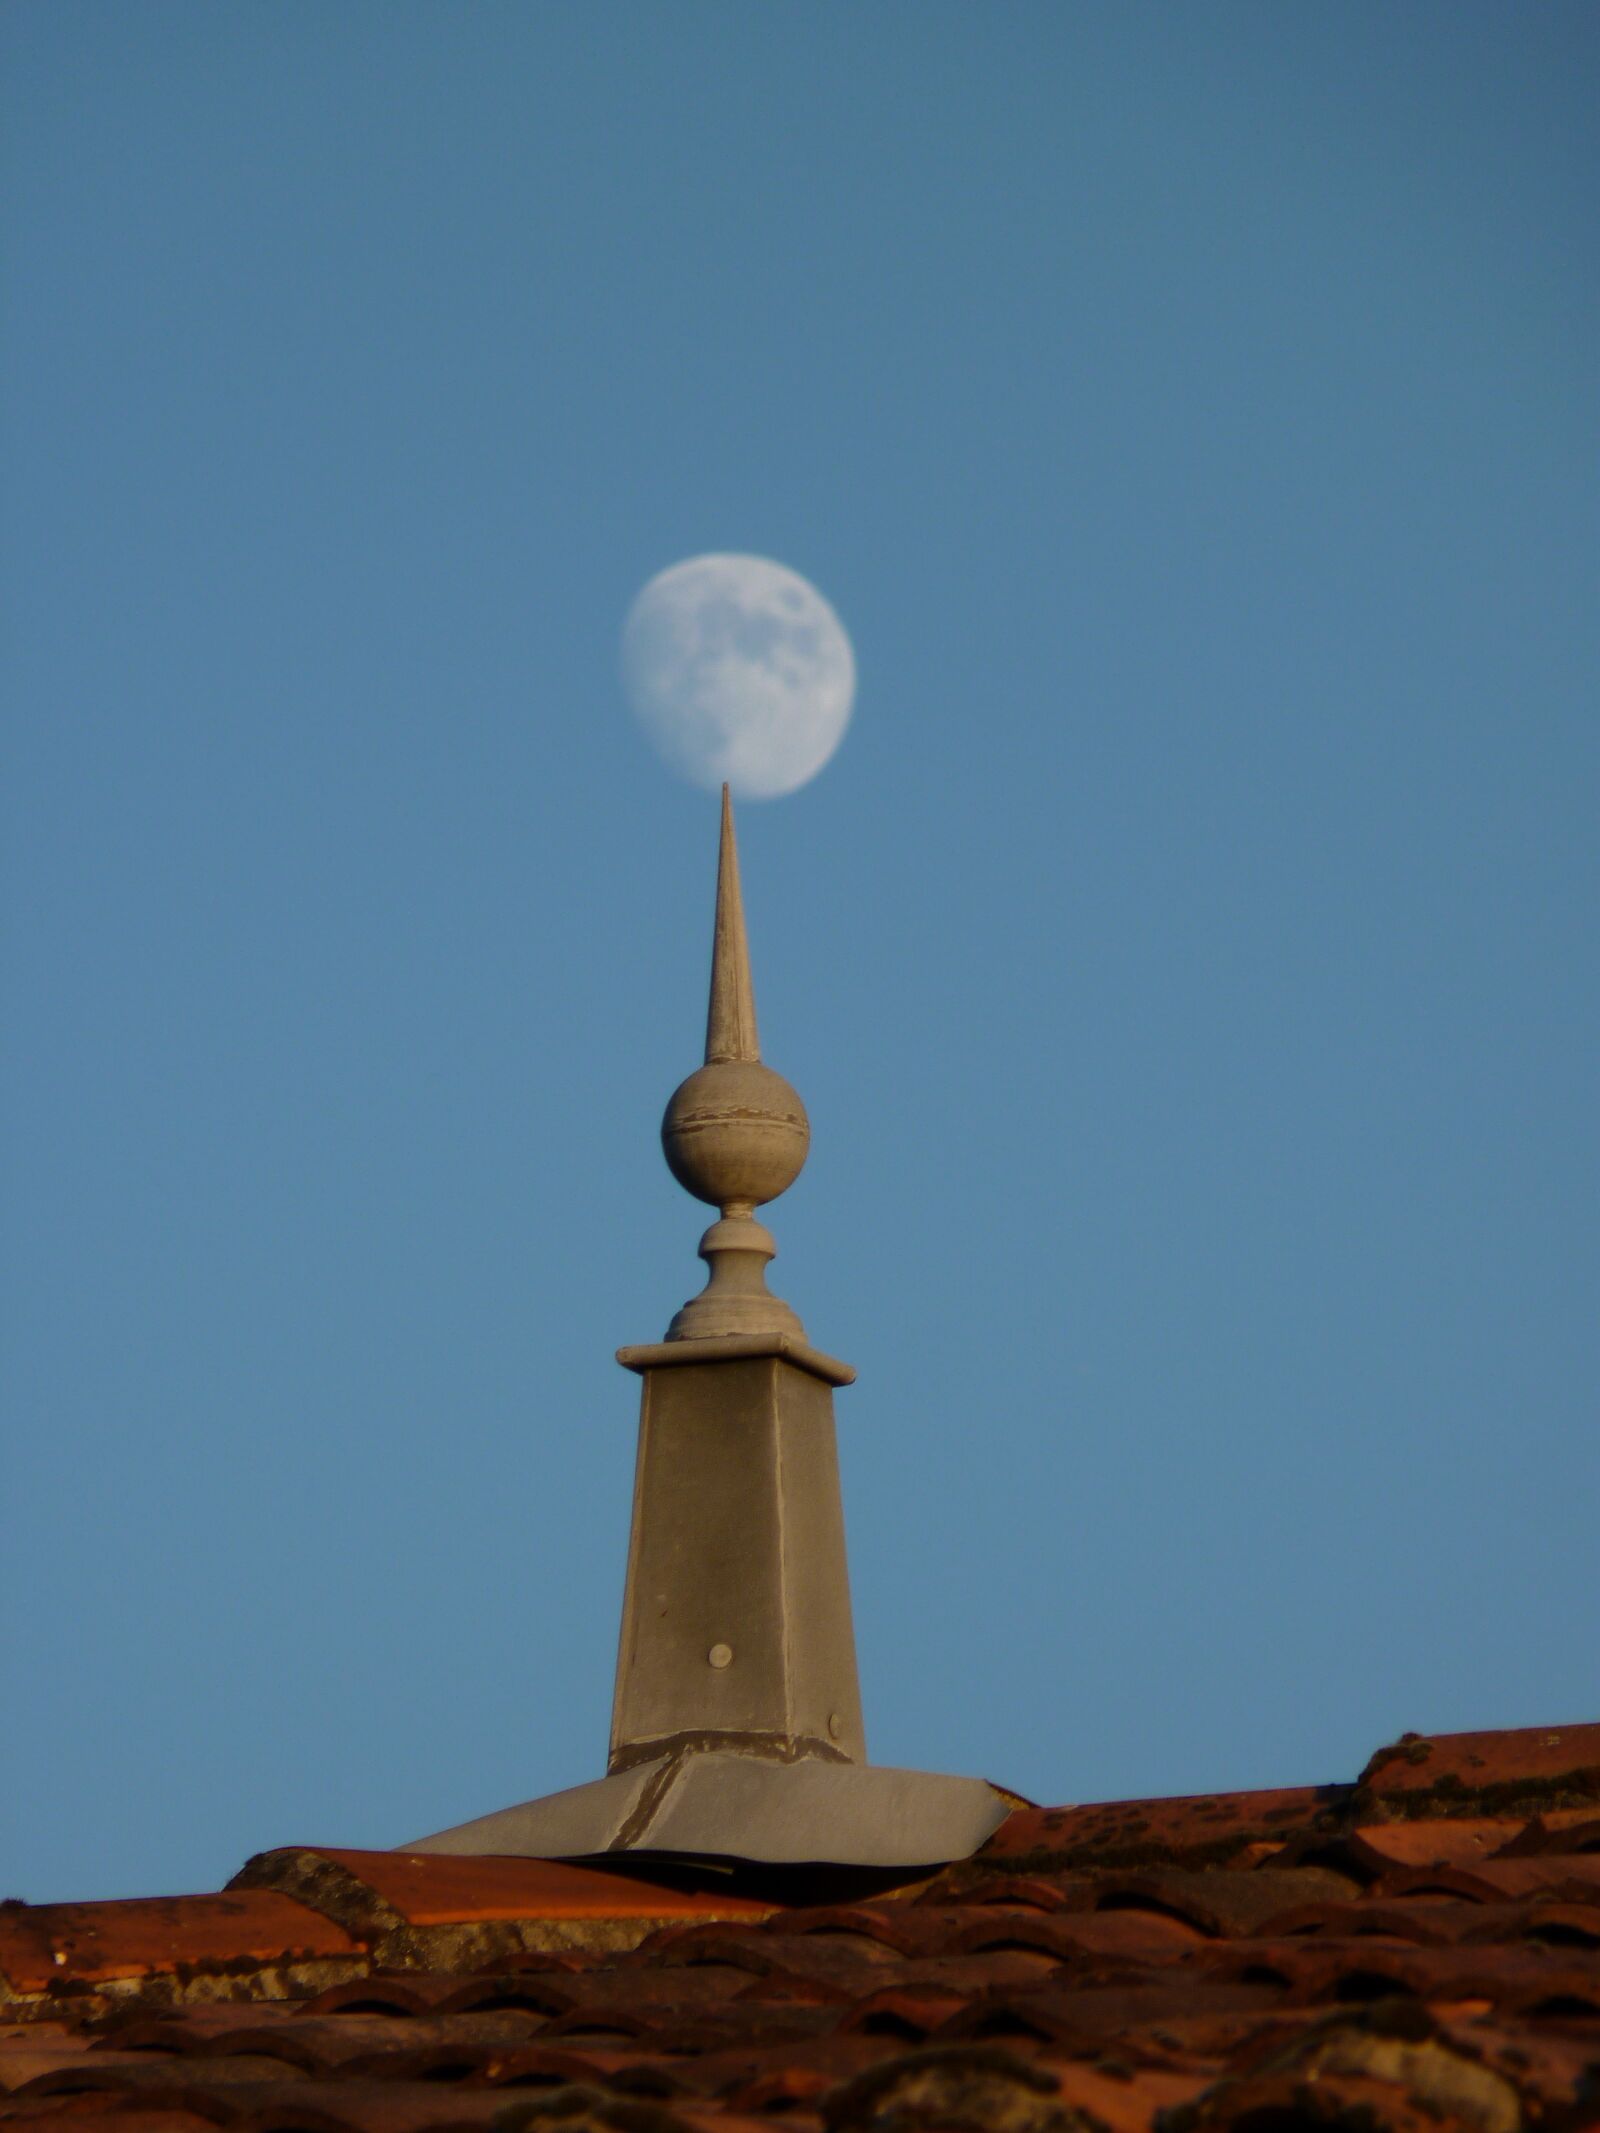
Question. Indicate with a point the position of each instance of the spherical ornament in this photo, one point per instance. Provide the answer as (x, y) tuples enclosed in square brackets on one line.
[(735, 1134)]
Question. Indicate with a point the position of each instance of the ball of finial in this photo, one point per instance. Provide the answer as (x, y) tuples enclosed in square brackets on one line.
[(735, 1133)]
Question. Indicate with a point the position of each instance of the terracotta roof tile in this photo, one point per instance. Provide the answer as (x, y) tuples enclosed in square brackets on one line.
[(1417, 1953), (1558, 1766), (1497, 1880), (911, 2012), (1569, 1830), (1122, 2099), (1556, 1924), (1376, 1847), (649, 1993), (1133, 1933), (1029, 1891), (388, 1992), (374, 1892), (877, 1928), (91, 1943), (114, 2115), (1204, 1830)]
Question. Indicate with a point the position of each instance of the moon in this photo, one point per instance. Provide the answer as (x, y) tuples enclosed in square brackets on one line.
[(738, 670)]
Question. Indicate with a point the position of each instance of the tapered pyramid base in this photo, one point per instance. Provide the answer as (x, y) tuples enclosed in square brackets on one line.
[(711, 1805)]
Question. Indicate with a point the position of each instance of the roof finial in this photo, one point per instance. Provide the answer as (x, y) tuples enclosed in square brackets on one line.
[(735, 1134), (731, 1017), (736, 1725)]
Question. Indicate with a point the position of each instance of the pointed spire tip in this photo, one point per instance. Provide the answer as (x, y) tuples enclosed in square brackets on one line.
[(731, 1016)]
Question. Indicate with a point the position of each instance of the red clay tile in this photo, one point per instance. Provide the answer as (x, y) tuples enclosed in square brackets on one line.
[(366, 2107), (1099, 2016), (729, 2076), (1552, 1923), (1379, 1846), (428, 1889), (750, 2022), (1503, 1880), (832, 1964), (360, 2040), (62, 2025), (1124, 2101), (152, 2076), (623, 2023), (652, 1993), (1133, 1934), (1357, 1972), (895, 1929), (783, 2089), (1204, 1828), (1555, 1759), (86, 1943), (1429, 1924), (910, 2012), (993, 1970), (187, 2029), (1316, 1954), (1030, 1891), (383, 1992), (542, 1993), (542, 2066), (439, 2059), (27, 1960), (596, 2105), (1568, 1829), (21, 2066), (1219, 1904), (113, 2114)]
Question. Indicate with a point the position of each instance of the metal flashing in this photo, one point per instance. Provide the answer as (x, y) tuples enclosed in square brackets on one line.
[(741, 1805)]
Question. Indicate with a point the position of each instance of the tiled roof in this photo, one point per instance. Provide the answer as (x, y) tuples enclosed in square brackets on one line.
[(1417, 1951)]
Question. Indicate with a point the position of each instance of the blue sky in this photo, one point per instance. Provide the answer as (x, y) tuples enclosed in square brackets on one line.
[(1187, 960)]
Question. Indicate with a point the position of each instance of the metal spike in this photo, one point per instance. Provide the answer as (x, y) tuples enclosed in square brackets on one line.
[(731, 1018)]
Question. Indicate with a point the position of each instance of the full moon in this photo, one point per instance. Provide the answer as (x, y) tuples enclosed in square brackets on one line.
[(738, 669)]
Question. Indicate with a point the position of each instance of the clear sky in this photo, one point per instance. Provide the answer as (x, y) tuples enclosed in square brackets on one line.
[(1187, 960)]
